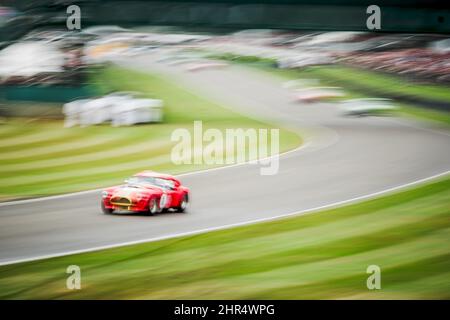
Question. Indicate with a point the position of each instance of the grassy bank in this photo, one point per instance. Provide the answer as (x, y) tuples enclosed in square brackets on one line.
[(40, 157), (321, 255)]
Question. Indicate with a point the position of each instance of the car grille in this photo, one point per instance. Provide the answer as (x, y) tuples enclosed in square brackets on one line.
[(121, 201)]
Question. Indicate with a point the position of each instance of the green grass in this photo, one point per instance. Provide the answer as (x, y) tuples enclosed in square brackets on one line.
[(268, 62), (40, 157), (422, 113), (383, 82), (322, 255)]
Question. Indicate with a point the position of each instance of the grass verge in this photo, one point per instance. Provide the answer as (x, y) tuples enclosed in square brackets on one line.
[(318, 256), (39, 157)]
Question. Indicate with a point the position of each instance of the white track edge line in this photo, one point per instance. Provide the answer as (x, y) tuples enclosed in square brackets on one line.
[(227, 226)]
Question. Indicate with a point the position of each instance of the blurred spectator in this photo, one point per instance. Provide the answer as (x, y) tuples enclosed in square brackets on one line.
[(422, 63)]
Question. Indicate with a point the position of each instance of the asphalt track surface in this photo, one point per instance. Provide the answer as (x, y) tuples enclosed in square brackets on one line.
[(342, 159)]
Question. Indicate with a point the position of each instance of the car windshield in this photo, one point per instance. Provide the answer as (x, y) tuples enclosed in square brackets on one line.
[(163, 183)]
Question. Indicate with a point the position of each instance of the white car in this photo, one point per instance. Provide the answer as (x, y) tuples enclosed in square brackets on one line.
[(119, 108), (367, 107)]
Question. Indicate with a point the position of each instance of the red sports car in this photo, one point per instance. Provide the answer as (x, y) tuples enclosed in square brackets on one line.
[(148, 192)]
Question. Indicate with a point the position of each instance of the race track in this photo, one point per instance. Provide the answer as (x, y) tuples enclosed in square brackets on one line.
[(342, 159)]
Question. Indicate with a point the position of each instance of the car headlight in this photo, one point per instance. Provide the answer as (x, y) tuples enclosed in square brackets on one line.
[(105, 194)]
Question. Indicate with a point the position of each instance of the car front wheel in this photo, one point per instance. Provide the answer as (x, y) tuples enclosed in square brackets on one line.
[(106, 210), (153, 206)]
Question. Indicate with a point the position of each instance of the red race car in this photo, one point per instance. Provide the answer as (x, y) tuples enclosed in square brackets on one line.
[(148, 192)]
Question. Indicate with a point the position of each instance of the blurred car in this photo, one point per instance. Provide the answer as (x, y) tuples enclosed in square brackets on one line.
[(146, 192), (206, 66), (367, 107), (315, 94), (123, 108)]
